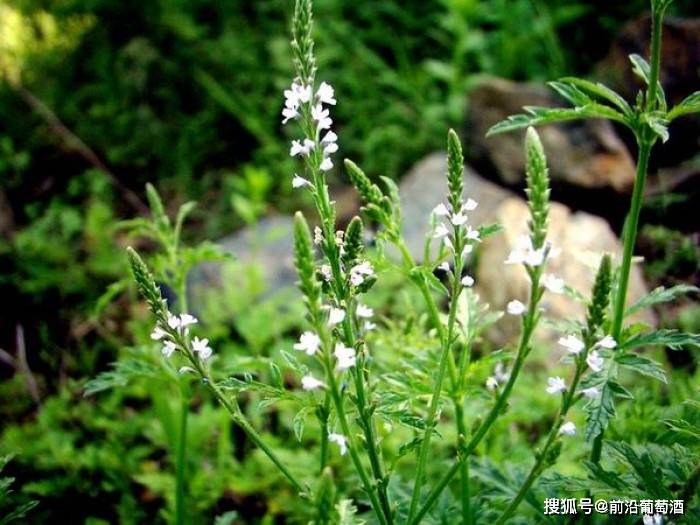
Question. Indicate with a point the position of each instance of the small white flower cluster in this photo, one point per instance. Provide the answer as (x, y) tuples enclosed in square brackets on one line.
[(346, 357), (574, 346), (180, 324), (296, 99), (360, 272), (458, 218), (525, 253), (499, 377)]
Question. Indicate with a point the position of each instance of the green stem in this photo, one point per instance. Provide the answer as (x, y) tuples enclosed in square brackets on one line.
[(529, 324), (632, 224), (539, 466), (324, 432), (180, 517)]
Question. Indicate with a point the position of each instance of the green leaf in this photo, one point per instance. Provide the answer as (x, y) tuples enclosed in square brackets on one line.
[(688, 106), (643, 70), (671, 338), (601, 91), (658, 124), (122, 373), (641, 365), (299, 421), (113, 290), (537, 116), (661, 295), (601, 408)]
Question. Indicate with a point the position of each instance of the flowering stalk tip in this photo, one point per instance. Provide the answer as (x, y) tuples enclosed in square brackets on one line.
[(537, 176)]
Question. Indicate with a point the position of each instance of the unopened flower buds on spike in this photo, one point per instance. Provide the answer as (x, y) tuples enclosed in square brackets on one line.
[(537, 190), (304, 262), (302, 41), (455, 171), (598, 307), (353, 242), (147, 285), (157, 208)]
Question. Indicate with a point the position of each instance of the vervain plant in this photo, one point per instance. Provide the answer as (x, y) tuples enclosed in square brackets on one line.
[(342, 381)]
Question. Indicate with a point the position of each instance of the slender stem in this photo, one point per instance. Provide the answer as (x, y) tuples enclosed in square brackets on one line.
[(446, 359), (180, 461), (324, 432), (539, 465), (529, 324), (656, 34)]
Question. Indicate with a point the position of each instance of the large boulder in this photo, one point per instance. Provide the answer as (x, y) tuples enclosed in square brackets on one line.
[(582, 238), (589, 154)]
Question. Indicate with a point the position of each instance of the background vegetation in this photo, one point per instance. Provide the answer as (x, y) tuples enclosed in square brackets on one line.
[(97, 97)]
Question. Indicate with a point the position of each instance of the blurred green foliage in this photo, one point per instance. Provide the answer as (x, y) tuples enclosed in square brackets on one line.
[(187, 94)]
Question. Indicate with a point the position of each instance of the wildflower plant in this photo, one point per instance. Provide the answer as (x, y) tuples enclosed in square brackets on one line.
[(339, 378)]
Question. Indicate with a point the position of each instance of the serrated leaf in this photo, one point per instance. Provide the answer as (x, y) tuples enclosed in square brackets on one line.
[(602, 407), (299, 422), (537, 116), (658, 124), (643, 70), (641, 365), (671, 338), (661, 295), (688, 106), (596, 89), (122, 373)]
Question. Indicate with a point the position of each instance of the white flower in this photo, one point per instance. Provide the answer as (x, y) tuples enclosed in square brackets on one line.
[(555, 385), (458, 219), (468, 248), (500, 374), (441, 210), (470, 205), (515, 307), (364, 311), (309, 382), (173, 321), (186, 370), (187, 319), (553, 283), (472, 234), (369, 326), (345, 355), (607, 342), (568, 429), (158, 333), (444, 266), (336, 316), (318, 236), (340, 440), (524, 253), (359, 272), (326, 164), (492, 383), (448, 242), (168, 348), (329, 149), (321, 116), (440, 231), (656, 519), (289, 114), (572, 343), (590, 393), (299, 182), (329, 138), (301, 148), (326, 272), (202, 347), (594, 361), (467, 281), (308, 342), (325, 94)]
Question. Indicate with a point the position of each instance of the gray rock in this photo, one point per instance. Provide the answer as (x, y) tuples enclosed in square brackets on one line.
[(582, 237), (267, 244), (585, 154), (425, 186)]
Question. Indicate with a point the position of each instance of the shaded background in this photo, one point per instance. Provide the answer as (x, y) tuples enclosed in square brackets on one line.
[(97, 97)]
